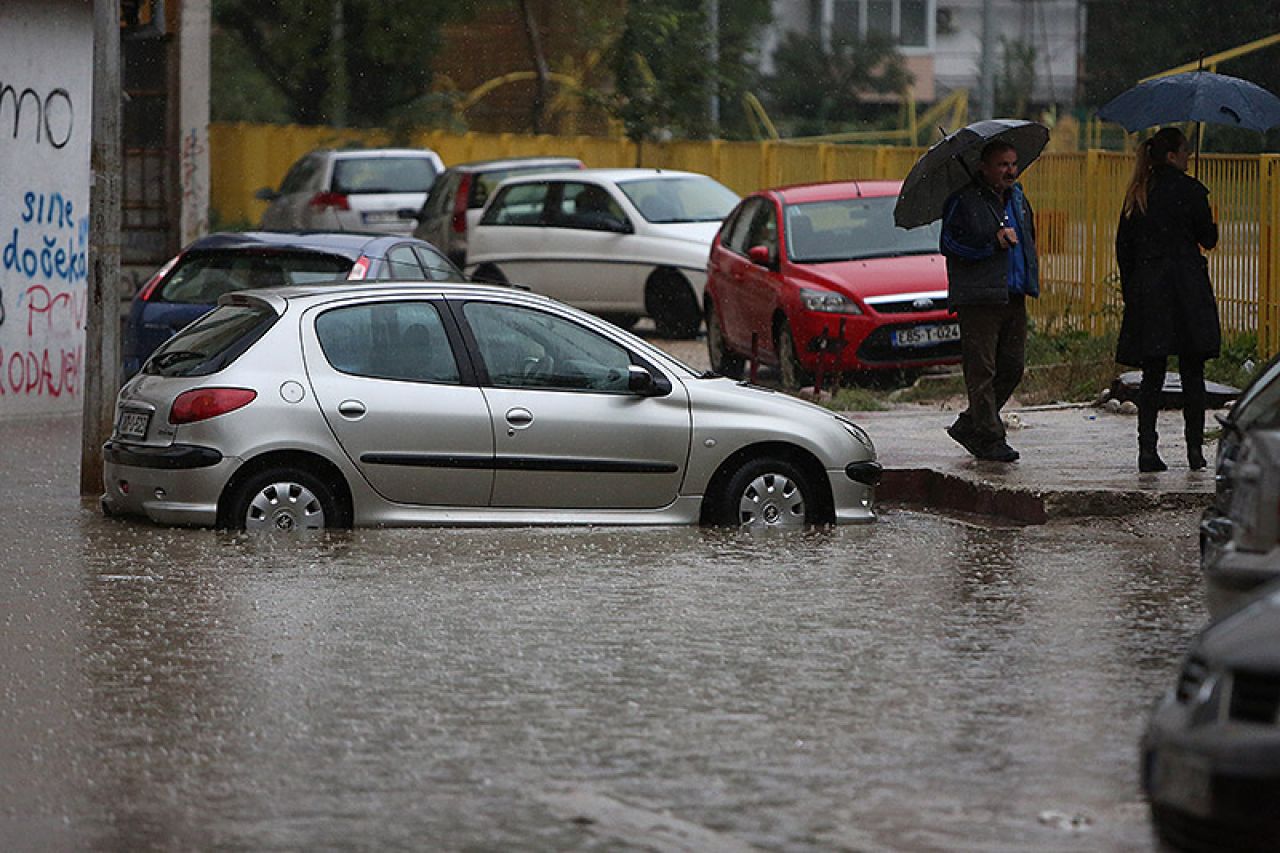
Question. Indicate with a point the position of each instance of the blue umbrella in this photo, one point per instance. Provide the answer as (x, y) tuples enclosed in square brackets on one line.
[(1194, 96)]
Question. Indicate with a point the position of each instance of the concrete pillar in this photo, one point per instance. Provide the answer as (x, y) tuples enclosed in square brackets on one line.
[(192, 92)]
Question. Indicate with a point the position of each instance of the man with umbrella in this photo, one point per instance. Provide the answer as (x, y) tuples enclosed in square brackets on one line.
[(988, 239), (969, 179)]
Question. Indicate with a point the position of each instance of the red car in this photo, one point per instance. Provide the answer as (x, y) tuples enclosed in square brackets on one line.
[(819, 272)]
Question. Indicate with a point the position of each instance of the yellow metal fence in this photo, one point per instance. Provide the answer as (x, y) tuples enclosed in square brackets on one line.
[(1076, 196)]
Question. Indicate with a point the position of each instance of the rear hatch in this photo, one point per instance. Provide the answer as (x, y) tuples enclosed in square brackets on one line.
[(377, 189)]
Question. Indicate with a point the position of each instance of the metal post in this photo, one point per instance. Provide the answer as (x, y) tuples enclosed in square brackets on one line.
[(713, 58), (987, 78), (102, 321)]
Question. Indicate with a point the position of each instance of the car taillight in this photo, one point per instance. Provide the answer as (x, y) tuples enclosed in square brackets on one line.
[(152, 283), (326, 200), (359, 269), (201, 404), (460, 204)]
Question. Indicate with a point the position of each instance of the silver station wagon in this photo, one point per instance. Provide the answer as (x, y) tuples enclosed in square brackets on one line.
[(459, 404)]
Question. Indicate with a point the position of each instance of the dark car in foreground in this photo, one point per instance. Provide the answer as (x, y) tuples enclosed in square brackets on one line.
[(460, 404), (1235, 561), (1211, 751), (190, 284), (818, 275)]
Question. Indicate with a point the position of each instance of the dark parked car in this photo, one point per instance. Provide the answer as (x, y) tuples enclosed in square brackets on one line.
[(189, 285), (455, 201), (1211, 751), (1233, 561)]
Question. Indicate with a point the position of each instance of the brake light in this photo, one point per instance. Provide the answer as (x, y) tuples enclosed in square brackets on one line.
[(359, 269), (460, 203), (200, 404), (152, 283), (326, 200)]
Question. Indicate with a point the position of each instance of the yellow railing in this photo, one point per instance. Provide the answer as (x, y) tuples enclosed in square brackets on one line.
[(1076, 196)]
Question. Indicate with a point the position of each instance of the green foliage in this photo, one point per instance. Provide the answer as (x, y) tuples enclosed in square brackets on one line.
[(1238, 361), (822, 89), (311, 63), (1017, 77)]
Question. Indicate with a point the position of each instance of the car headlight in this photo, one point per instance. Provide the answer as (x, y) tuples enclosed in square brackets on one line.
[(828, 301), (858, 433)]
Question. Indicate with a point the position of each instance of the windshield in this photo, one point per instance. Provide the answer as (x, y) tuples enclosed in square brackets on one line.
[(383, 175), (212, 342), (200, 278), (695, 198), (853, 229)]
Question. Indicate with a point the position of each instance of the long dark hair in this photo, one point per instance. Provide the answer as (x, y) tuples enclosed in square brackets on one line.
[(1153, 151)]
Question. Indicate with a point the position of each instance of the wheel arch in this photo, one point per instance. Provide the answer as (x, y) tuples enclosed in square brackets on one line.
[(803, 459), (312, 463)]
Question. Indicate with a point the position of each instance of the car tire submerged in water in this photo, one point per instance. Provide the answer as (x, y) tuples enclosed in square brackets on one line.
[(669, 300), (285, 499), (767, 492), (723, 361)]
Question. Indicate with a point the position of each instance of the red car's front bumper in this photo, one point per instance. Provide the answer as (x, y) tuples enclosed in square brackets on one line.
[(875, 341)]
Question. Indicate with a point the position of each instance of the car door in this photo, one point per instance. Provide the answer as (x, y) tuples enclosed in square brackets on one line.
[(729, 268), (568, 433), (760, 282), (401, 404), (592, 252)]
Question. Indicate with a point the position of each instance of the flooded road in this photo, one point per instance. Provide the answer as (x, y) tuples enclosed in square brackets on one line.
[(919, 684)]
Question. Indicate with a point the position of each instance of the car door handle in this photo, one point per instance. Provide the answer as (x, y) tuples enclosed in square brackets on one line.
[(518, 418), (353, 409)]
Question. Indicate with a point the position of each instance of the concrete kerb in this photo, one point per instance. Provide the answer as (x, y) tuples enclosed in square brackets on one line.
[(1077, 461)]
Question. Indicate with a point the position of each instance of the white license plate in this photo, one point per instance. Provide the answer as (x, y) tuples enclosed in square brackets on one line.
[(134, 424), (923, 336), (1182, 781), (380, 217)]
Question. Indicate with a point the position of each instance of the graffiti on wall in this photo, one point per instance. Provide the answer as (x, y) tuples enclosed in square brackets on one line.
[(50, 117), (46, 255), (195, 219)]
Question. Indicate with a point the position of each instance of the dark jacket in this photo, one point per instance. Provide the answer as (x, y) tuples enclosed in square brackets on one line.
[(977, 268), (1169, 306)]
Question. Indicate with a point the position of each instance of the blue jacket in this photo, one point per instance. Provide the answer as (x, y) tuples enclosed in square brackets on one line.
[(977, 268)]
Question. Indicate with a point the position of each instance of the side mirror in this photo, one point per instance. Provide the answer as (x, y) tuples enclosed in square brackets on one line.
[(640, 381), (760, 255), (266, 194)]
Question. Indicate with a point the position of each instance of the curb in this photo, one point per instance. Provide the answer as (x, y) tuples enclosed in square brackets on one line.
[(936, 490)]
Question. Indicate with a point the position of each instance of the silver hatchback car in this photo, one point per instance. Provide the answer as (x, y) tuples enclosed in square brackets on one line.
[(312, 407)]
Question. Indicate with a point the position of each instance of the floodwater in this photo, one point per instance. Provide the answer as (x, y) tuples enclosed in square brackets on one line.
[(923, 683)]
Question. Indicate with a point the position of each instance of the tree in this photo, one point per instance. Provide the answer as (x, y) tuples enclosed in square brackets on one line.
[(1017, 78), (383, 49), (821, 89)]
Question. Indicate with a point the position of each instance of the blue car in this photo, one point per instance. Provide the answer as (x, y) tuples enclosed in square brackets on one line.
[(188, 286)]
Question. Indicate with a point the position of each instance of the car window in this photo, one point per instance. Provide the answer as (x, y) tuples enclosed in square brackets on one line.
[(402, 264), (520, 204), (737, 230), (589, 206), (525, 348), (441, 192), (403, 341), (850, 229), (300, 175), (436, 266), (200, 278), (692, 198), (212, 342), (383, 175), (484, 183), (764, 229)]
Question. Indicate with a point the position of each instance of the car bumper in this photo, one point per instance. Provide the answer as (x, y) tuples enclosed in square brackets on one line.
[(854, 498), (1232, 576), (868, 341), (177, 485), (1212, 785)]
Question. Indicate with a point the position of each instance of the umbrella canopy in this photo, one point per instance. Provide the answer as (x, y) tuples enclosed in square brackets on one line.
[(1194, 96), (952, 163)]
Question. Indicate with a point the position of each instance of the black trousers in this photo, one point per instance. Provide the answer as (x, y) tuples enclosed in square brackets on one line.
[(1191, 371), (993, 346)]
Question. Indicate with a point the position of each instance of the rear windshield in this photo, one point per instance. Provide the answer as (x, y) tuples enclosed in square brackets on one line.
[(212, 342), (199, 279), (384, 175)]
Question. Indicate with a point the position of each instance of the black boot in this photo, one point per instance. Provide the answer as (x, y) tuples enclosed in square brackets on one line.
[(1193, 418), (1149, 460)]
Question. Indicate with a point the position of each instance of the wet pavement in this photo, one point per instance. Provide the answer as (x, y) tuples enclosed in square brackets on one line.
[(927, 682)]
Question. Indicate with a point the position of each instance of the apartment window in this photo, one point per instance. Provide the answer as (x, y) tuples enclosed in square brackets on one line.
[(908, 22)]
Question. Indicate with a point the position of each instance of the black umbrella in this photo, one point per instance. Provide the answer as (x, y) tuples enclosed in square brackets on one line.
[(1194, 96), (953, 161)]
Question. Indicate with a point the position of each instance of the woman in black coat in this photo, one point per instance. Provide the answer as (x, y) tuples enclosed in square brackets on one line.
[(1169, 307)]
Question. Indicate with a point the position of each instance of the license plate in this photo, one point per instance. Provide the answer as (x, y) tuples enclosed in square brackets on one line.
[(923, 336), (134, 424), (379, 217), (1182, 781)]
